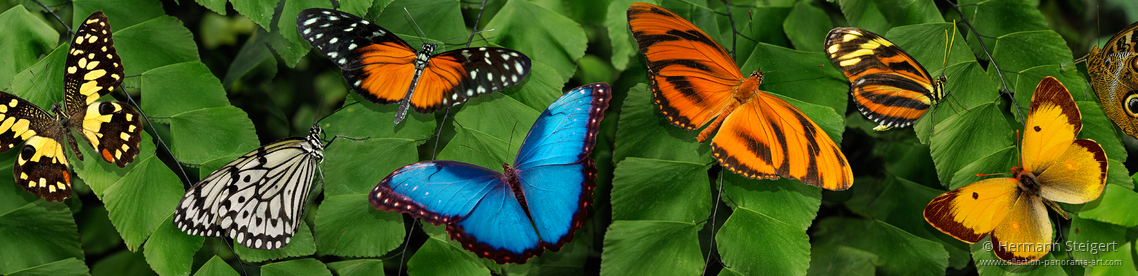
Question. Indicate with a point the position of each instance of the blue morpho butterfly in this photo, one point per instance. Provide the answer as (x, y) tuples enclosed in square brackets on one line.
[(511, 216)]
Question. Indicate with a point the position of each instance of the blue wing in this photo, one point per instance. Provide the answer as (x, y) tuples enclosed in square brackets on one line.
[(554, 170), (479, 208)]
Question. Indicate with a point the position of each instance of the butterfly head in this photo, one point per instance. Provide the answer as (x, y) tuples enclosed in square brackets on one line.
[(315, 137), (1027, 180), (428, 48), (938, 88)]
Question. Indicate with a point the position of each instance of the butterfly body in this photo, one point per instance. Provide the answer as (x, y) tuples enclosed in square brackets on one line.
[(384, 69), (887, 84), (695, 82), (1055, 167), (1114, 76), (92, 69), (257, 199), (515, 214)]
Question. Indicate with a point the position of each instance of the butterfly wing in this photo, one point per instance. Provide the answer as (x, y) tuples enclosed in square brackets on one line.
[(453, 77), (971, 212), (376, 63), (767, 137), (257, 199), (480, 210), (1114, 76), (693, 78), (1025, 233), (888, 85), (93, 69), (554, 169), (41, 166), (1069, 170)]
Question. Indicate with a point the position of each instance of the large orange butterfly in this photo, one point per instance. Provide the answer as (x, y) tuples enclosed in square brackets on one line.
[(1055, 167), (762, 136), (887, 84), (384, 69)]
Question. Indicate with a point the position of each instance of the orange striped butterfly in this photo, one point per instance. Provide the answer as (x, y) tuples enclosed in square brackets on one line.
[(762, 136), (1055, 167), (888, 85), (384, 69), (1114, 75)]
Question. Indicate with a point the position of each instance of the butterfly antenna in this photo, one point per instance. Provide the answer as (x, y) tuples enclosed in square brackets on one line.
[(424, 34), (1004, 82)]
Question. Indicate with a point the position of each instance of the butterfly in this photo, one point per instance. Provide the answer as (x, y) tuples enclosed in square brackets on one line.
[(384, 69), (92, 70), (888, 85), (1114, 76), (513, 215), (762, 136), (257, 199), (1054, 167)]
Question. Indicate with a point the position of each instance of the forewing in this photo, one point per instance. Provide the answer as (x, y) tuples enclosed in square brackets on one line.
[(971, 212), (693, 77), (1052, 124), (41, 166), (768, 138), (888, 85), (258, 199), (376, 63), (93, 67), (1114, 76), (455, 76)]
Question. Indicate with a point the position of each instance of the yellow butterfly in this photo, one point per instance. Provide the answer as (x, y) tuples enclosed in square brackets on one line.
[(1114, 75), (1055, 167)]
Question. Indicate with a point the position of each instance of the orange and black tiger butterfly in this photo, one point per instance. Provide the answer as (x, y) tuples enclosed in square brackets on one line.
[(888, 85), (762, 136), (384, 69)]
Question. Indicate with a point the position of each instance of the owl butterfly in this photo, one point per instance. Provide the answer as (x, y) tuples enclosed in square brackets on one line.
[(694, 80), (114, 129), (384, 69), (888, 86), (1114, 76), (1055, 167)]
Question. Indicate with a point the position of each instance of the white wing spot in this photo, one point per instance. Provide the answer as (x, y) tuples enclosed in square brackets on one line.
[(505, 57), (518, 66), (309, 21), (333, 41), (351, 46)]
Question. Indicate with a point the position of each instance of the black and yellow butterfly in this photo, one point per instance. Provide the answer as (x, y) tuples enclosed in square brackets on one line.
[(93, 69), (888, 85)]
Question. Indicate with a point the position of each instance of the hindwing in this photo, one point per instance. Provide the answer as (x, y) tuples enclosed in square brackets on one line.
[(887, 84)]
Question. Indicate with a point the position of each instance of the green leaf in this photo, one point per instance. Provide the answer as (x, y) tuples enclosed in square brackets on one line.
[(818, 86), (307, 266), (206, 134), (651, 248), (121, 13), (616, 21), (63, 267), (356, 7), (906, 12), (301, 244), (260, 12), (968, 136), (143, 200), (899, 252), (181, 87), (346, 225), (805, 24), (253, 55), (359, 267), (1111, 206), (864, 14), (99, 174), (169, 251), (216, 266), (490, 129), (652, 189), (998, 18), (901, 203), (439, 19), (42, 84), (96, 231), (25, 38), (745, 238), (557, 41), (122, 263), (641, 132), (539, 89), (434, 252), (1089, 240), (841, 260), (41, 233), (1022, 50), (1124, 258), (1000, 161), (352, 167), (155, 43), (784, 200), (293, 47), (217, 6)]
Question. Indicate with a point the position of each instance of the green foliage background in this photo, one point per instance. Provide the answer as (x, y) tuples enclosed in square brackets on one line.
[(219, 78)]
